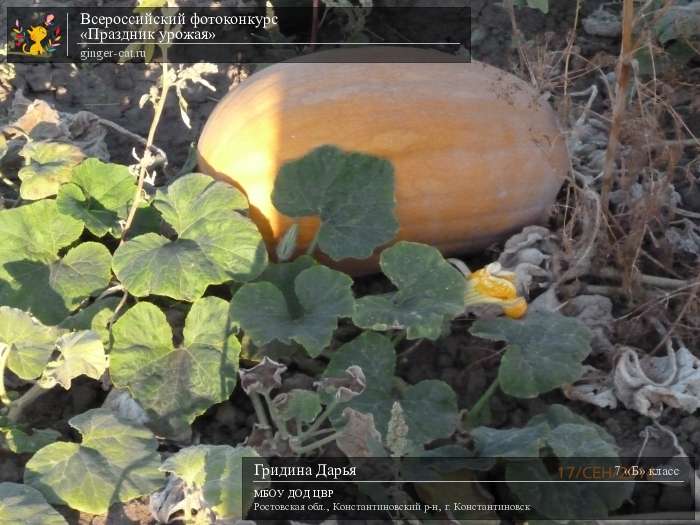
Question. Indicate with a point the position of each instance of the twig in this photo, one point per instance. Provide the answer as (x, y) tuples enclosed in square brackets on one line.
[(672, 143), (681, 314), (161, 156), (653, 280), (569, 47), (623, 77), (686, 213), (518, 37), (608, 291)]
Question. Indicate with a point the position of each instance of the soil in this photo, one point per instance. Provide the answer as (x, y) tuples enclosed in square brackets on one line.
[(466, 363)]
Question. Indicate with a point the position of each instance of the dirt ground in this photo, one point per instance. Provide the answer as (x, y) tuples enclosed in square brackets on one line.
[(469, 365)]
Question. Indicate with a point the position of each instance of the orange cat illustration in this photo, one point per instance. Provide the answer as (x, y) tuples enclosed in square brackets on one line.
[(36, 35)]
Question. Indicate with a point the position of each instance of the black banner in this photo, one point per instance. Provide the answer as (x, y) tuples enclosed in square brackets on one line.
[(225, 34), (433, 488)]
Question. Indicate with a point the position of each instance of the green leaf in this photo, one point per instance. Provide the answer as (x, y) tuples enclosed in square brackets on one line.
[(94, 317), (81, 353), (175, 385), (352, 193), (679, 22), (151, 264), (83, 271), (298, 404), (215, 243), (16, 440), (216, 473), (430, 291), (559, 415), (512, 442), (98, 195), (30, 342), (542, 5), (33, 277), (269, 310), (574, 441), (574, 444), (20, 504), (429, 407), (47, 166), (544, 351), (195, 200), (116, 462)]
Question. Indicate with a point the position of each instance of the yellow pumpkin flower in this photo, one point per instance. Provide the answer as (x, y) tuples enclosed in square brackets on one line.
[(494, 285)]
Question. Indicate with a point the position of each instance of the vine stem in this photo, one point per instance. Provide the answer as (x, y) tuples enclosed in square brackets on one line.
[(260, 413), (158, 112), (319, 421), (4, 353), (316, 444), (276, 419), (19, 405), (159, 107), (481, 403)]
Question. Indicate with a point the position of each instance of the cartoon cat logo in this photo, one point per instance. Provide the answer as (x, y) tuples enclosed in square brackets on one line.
[(38, 41)]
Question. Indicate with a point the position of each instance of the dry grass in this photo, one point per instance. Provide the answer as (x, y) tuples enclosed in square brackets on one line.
[(621, 199)]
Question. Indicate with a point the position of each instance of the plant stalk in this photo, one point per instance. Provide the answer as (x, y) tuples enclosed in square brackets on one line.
[(260, 410), (316, 444), (19, 405), (319, 420), (159, 107), (276, 419), (4, 354), (623, 77), (482, 402)]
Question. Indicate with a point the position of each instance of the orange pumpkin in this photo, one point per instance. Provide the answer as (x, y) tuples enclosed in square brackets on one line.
[(477, 154)]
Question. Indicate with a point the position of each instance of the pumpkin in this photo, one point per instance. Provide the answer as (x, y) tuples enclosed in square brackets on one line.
[(477, 154)]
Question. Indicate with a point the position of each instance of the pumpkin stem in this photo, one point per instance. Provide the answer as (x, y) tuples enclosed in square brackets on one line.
[(473, 416)]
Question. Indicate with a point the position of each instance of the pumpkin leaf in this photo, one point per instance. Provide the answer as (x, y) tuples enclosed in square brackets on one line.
[(214, 472), (26, 505), (557, 415), (175, 385), (574, 441), (215, 243), (429, 407), (544, 351), (16, 440), (48, 165), (81, 353), (116, 462), (308, 316), (98, 195), (94, 317), (541, 5), (30, 343), (352, 194), (513, 442), (679, 22), (430, 291), (299, 405), (32, 275)]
